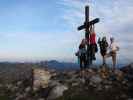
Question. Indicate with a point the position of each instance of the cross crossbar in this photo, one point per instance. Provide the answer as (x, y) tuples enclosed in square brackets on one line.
[(88, 24)]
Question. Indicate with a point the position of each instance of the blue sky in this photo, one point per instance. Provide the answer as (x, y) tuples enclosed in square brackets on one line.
[(46, 29)]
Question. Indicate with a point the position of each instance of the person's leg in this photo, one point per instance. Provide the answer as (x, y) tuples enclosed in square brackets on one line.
[(83, 70), (87, 55), (84, 61), (106, 55), (80, 61), (93, 52), (114, 61), (89, 59), (81, 67), (85, 65), (104, 60), (103, 57)]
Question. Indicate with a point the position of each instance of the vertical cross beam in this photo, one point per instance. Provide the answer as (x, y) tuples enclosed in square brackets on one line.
[(87, 31), (87, 14), (86, 21)]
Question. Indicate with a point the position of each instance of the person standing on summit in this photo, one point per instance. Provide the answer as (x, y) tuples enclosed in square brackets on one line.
[(91, 41), (103, 44), (82, 56), (113, 48)]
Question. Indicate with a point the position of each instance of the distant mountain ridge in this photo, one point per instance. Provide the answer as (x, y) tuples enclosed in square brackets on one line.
[(61, 65), (53, 64)]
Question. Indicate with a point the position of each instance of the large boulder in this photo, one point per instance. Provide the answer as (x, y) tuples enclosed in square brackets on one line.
[(57, 91), (41, 78)]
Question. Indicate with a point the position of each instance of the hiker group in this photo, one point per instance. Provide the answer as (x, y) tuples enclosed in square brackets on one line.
[(89, 47)]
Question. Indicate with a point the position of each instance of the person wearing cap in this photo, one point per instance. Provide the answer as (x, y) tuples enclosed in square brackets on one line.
[(113, 48)]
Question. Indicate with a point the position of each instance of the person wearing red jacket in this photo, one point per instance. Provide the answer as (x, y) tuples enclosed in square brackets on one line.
[(92, 43)]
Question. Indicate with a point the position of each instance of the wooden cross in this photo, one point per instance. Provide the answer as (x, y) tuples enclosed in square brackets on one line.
[(87, 24)]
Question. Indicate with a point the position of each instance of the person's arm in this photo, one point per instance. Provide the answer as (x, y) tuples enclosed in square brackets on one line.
[(90, 29), (93, 29)]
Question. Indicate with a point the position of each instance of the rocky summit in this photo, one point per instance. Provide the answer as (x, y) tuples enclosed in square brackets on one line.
[(50, 84)]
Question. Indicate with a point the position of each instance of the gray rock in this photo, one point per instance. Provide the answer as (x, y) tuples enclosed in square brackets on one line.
[(82, 80), (19, 97), (53, 83), (96, 79), (71, 73), (107, 87), (28, 89), (9, 86), (19, 83), (57, 91), (75, 84)]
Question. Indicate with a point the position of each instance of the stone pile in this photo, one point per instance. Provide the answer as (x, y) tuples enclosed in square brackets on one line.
[(98, 83)]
